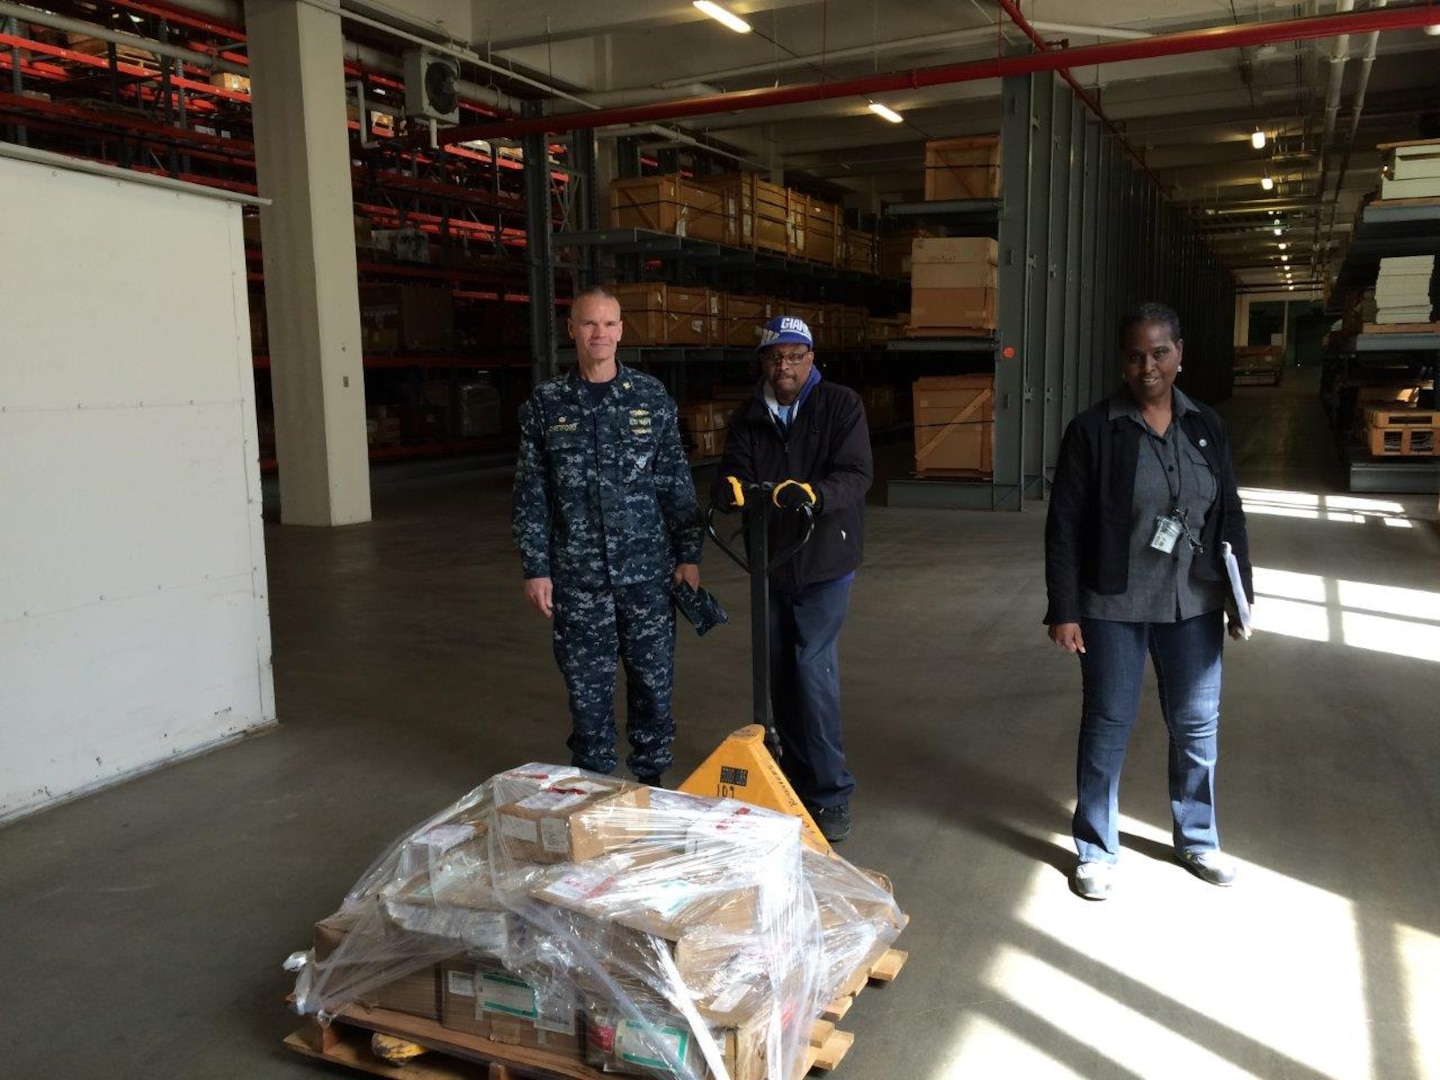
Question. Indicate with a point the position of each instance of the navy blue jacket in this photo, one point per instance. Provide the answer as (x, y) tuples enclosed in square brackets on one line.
[(828, 447), (1087, 532)]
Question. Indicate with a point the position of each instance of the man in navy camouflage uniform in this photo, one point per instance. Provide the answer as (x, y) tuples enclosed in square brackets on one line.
[(605, 517)]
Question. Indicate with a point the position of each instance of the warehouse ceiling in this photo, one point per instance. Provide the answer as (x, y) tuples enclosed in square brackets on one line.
[(1188, 117)]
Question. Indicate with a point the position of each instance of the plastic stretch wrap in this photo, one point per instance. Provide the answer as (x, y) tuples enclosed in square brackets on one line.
[(651, 933)]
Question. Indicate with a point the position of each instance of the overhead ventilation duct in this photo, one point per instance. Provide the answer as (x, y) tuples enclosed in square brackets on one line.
[(431, 87)]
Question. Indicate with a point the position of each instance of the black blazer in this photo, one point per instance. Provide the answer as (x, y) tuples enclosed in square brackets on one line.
[(1087, 531)]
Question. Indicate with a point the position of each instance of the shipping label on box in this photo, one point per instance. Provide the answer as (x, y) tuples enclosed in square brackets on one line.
[(574, 820)]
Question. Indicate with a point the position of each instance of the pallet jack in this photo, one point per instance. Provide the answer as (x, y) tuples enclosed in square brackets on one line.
[(746, 766)]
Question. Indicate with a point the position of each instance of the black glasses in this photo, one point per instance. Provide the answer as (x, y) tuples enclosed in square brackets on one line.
[(794, 359)]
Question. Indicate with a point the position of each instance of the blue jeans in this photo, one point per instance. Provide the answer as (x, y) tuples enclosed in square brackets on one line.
[(805, 690), (1187, 667)]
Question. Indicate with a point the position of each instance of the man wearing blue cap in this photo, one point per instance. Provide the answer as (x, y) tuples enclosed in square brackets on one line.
[(809, 439)]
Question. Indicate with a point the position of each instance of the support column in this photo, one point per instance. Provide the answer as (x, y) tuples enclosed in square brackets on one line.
[(540, 256), (302, 158)]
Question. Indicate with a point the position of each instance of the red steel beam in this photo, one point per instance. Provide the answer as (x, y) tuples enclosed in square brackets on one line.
[(1190, 41)]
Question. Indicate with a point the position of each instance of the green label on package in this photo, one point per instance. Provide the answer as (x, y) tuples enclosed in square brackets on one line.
[(502, 994), (652, 1047)]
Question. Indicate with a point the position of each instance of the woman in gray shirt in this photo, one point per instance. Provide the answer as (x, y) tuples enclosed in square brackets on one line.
[(1144, 494)]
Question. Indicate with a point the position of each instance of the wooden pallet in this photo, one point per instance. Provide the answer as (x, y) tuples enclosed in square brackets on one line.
[(464, 1057)]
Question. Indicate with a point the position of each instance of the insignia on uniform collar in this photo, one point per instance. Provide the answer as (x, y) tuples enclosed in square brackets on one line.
[(626, 384)]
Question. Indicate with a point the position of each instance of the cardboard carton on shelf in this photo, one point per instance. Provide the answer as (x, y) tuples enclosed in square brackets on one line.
[(228, 80), (953, 263), (964, 310)]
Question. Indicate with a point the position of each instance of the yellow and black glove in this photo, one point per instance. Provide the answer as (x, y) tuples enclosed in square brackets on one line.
[(794, 495), (730, 493)]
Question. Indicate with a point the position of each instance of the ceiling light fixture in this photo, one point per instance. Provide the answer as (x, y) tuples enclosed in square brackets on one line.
[(1433, 29), (1266, 183), (1284, 258), (1279, 231), (720, 15), (888, 113), (1283, 246), (1258, 139)]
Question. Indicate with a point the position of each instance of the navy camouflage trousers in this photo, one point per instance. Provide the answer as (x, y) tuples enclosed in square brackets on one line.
[(591, 628)]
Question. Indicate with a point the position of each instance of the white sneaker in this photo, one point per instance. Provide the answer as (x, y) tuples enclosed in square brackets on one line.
[(1093, 880)]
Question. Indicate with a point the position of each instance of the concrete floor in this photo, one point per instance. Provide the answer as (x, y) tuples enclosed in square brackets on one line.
[(142, 929)]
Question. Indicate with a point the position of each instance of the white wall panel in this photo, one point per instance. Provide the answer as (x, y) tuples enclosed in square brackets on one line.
[(133, 619)]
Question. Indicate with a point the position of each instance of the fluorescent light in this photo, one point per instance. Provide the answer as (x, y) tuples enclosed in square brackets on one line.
[(1258, 139), (1283, 246), (887, 112), (1284, 258), (1267, 183), (1279, 231), (720, 15)]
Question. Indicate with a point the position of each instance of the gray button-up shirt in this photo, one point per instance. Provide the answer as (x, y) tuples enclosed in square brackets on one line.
[(1169, 471)]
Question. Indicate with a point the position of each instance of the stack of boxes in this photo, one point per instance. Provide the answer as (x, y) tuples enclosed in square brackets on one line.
[(587, 919), (1404, 289), (1412, 170)]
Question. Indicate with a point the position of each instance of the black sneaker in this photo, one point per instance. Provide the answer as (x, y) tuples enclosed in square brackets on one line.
[(832, 821), (651, 781)]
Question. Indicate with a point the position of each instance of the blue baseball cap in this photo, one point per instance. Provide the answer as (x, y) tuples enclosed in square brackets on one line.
[(786, 330)]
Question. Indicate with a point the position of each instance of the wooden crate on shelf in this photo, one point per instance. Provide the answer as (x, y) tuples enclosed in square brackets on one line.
[(823, 225), (954, 425), (671, 204), (967, 168), (857, 250), (742, 318), (952, 284), (656, 313)]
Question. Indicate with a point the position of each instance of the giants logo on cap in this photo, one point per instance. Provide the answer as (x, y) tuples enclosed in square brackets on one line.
[(785, 330)]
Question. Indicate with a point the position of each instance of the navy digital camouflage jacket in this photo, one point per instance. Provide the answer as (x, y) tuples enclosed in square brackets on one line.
[(603, 493)]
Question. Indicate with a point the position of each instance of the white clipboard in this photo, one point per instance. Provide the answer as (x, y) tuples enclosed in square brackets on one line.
[(1239, 606)]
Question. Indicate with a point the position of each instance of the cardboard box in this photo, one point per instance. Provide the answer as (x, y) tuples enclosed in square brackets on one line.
[(573, 821), (966, 168), (954, 425), (416, 994), (228, 80), (91, 46), (958, 309), (402, 245), (382, 425), (953, 263), (485, 1000), (666, 1046)]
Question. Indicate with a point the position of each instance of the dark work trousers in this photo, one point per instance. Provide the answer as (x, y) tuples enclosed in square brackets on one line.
[(805, 689), (591, 628)]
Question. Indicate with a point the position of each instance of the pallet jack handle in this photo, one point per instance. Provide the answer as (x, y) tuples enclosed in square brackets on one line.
[(758, 564)]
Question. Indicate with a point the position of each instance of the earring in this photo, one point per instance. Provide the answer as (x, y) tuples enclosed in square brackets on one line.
[(1179, 367)]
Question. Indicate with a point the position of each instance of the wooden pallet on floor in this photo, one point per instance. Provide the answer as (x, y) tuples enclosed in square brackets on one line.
[(457, 1056)]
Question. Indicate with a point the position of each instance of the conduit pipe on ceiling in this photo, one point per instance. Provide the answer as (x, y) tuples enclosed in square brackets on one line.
[(1356, 108), (1339, 53), (119, 37), (1190, 41)]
